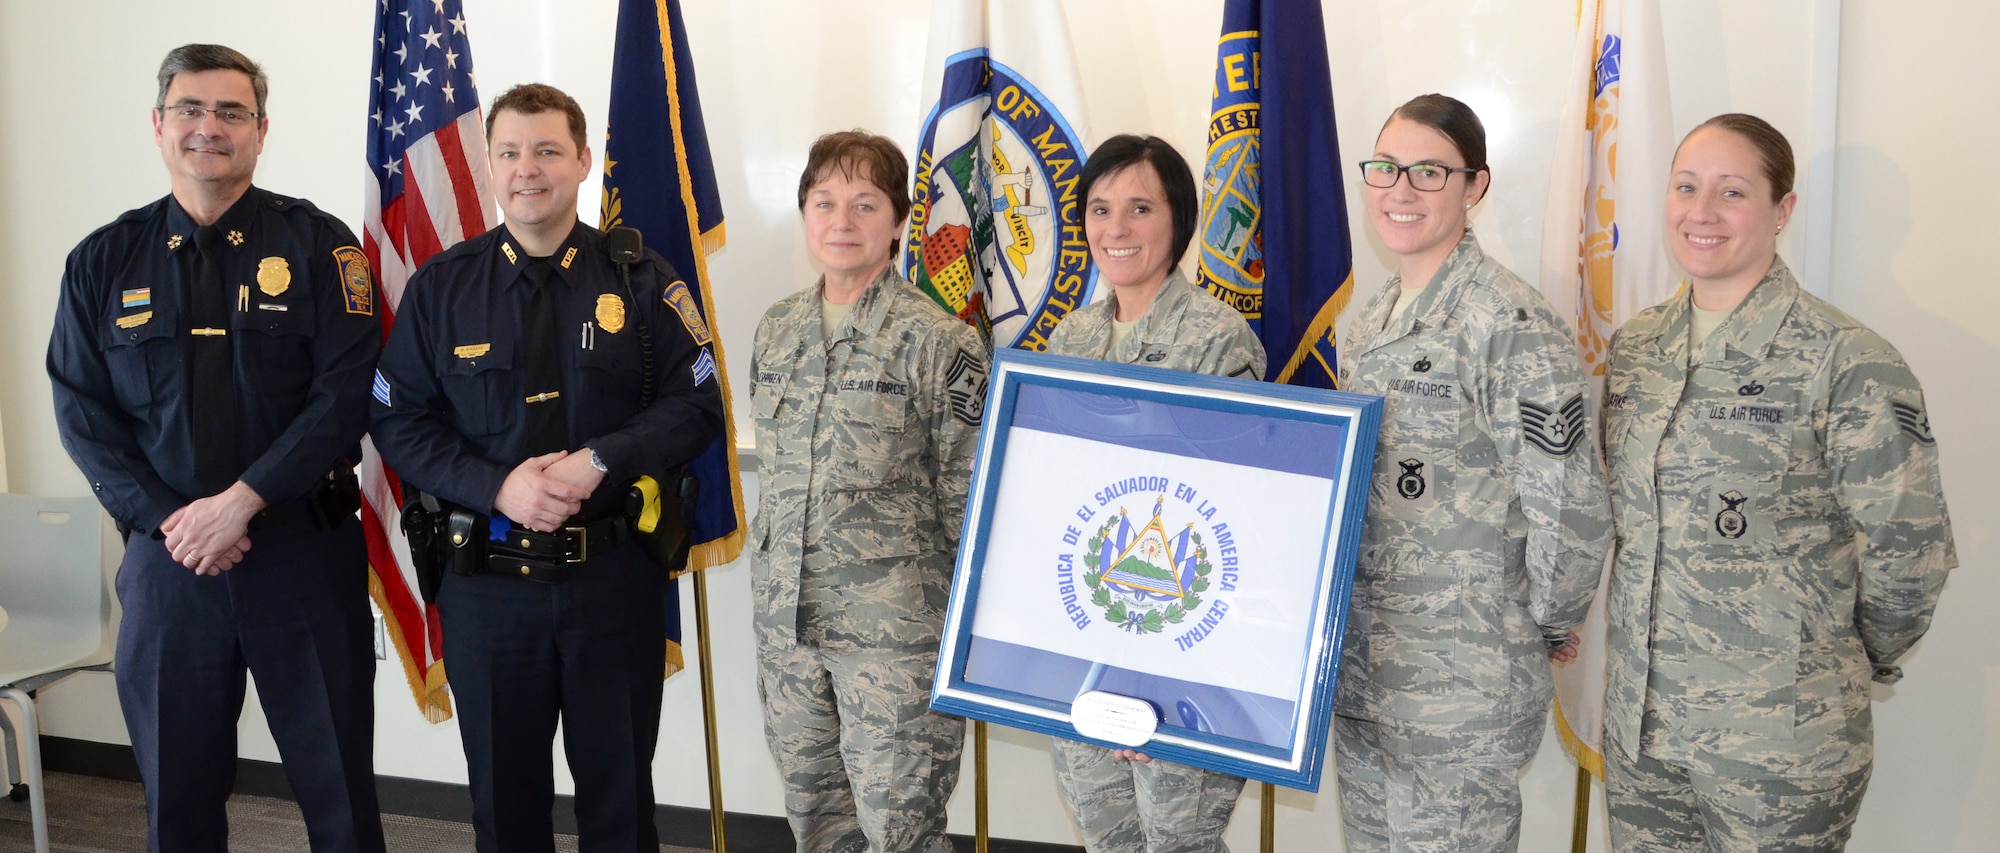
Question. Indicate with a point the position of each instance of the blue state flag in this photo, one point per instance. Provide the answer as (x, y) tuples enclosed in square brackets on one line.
[(658, 178), (1273, 229)]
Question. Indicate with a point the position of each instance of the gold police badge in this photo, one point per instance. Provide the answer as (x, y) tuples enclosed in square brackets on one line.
[(273, 275), (610, 313)]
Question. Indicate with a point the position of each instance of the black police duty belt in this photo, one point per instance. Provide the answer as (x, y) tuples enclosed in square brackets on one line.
[(333, 500), (548, 557)]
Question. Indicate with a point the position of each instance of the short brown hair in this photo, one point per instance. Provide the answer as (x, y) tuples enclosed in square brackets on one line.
[(1771, 146), (848, 150), (536, 98), (195, 58)]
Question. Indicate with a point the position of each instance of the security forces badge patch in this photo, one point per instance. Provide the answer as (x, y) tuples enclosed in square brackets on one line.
[(357, 283)]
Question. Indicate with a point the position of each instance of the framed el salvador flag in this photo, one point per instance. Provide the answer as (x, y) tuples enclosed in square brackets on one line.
[(1161, 561)]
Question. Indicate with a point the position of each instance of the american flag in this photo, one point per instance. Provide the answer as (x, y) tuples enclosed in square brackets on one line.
[(426, 191)]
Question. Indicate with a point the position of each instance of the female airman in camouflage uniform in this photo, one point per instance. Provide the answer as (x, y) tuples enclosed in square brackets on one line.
[(1488, 523), (867, 397), (1782, 534), (1139, 215)]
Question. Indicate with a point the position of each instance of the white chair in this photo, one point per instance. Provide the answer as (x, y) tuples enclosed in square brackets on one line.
[(59, 616)]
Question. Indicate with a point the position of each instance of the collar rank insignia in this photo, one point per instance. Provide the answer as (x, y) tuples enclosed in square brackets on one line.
[(235, 237), (682, 300), (1554, 431), (1751, 390), (1913, 422), (174, 242), (610, 312), (570, 256), (1423, 365), (507, 249), (273, 275), (357, 283)]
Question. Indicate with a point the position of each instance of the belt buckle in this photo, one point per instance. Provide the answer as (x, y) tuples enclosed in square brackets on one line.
[(582, 539)]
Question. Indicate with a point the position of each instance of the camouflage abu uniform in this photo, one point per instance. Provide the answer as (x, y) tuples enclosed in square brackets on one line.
[(1159, 807), (866, 443), (1487, 530), (1782, 537)]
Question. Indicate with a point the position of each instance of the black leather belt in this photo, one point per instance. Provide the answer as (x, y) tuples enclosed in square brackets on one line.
[(548, 557)]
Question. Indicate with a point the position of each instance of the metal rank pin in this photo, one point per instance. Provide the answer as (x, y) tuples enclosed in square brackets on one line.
[(174, 242), (234, 237)]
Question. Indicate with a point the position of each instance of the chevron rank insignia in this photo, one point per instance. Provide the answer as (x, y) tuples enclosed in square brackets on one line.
[(1913, 422), (1554, 431)]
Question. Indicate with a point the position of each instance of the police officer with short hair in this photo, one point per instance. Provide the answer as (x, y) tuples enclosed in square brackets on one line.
[(514, 389), (210, 366)]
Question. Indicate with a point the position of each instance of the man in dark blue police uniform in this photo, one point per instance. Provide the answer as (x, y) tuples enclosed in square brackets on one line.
[(210, 362), (513, 389)]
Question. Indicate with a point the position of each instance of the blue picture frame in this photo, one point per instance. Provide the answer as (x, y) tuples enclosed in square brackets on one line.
[(1129, 607)]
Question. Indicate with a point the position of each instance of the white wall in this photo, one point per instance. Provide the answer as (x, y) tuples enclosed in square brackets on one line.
[(1914, 184)]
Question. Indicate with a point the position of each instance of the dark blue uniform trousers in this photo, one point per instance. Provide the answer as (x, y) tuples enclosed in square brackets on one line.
[(592, 651), (295, 613)]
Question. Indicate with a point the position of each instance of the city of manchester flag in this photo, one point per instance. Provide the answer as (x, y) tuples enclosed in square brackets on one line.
[(426, 191), (658, 179), (1273, 227), (996, 230), (1603, 259)]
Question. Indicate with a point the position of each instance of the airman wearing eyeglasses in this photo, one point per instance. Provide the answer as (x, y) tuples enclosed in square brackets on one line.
[(1488, 522), (211, 361)]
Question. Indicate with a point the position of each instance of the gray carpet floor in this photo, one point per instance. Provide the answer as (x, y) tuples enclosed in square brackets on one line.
[(92, 815)]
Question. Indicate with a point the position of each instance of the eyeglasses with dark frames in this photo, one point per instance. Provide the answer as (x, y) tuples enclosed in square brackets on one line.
[(1427, 177)]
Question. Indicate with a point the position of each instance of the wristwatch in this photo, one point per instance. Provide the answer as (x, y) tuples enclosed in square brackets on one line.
[(597, 462)]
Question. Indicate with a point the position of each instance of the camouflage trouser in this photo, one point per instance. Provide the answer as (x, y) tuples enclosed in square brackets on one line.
[(1125, 806), (866, 765), (1417, 789), (1655, 806)]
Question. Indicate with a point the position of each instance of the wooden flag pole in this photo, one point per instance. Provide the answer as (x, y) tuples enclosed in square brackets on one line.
[(979, 835), (1579, 833), (1268, 839), (715, 827)]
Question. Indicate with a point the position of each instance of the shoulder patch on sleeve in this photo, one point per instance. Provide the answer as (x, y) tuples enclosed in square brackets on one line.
[(1913, 422), (357, 282), (965, 384), (1554, 431), (683, 302)]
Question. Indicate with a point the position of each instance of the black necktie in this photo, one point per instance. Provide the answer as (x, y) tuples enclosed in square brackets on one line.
[(548, 430), (211, 380)]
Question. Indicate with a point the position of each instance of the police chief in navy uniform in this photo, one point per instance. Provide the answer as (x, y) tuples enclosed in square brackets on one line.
[(210, 363), (511, 390)]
